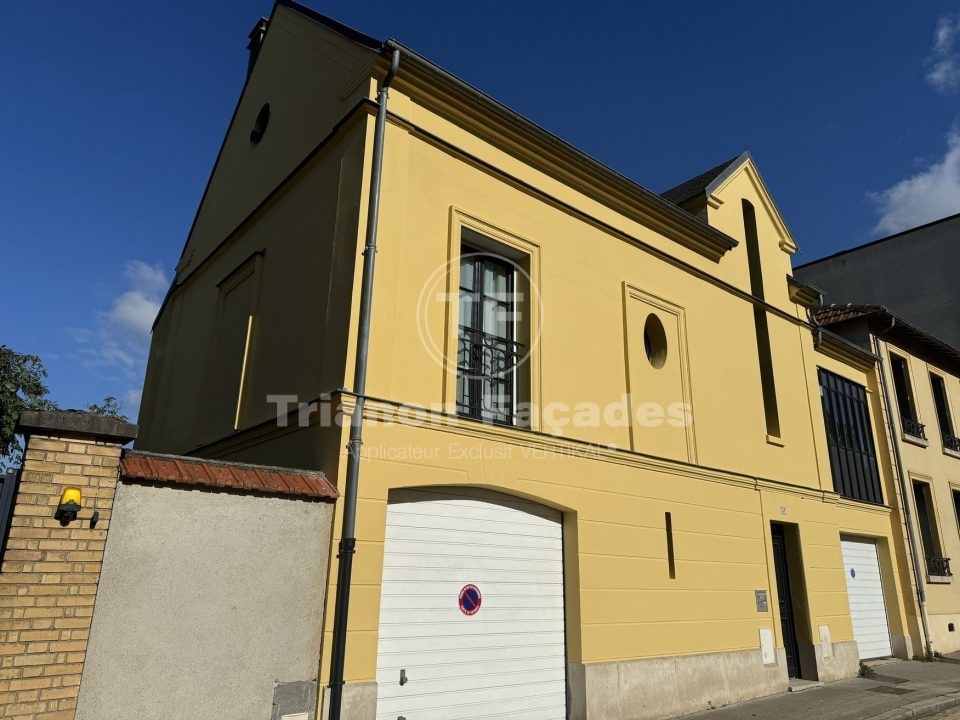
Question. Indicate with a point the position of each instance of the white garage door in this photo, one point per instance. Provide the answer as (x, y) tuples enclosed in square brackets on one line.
[(471, 608), (865, 591)]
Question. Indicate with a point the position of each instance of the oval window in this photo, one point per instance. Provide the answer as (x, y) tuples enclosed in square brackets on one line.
[(655, 341), (260, 126)]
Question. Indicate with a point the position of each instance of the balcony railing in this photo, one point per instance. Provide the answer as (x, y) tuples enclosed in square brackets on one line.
[(485, 376), (938, 567), (951, 442), (913, 428)]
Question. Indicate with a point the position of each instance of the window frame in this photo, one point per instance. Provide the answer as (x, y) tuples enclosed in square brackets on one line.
[(909, 417), (925, 508), (941, 404), (526, 254), (480, 260), (850, 441)]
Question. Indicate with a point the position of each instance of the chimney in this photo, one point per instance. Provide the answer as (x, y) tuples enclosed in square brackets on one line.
[(256, 41)]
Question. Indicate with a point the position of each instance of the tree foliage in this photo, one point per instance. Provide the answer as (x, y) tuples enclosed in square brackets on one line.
[(23, 387), (110, 407)]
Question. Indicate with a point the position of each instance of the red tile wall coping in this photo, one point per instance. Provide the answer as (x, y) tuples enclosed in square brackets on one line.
[(154, 467)]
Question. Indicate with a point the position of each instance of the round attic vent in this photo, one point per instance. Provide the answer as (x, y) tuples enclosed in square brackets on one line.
[(655, 341), (260, 126)]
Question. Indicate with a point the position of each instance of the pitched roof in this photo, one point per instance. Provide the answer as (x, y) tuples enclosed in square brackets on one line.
[(836, 314), (833, 314), (709, 240), (697, 185), (180, 470)]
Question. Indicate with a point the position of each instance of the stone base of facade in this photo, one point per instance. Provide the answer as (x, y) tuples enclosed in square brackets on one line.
[(902, 646), (663, 687), (359, 702), (844, 662), (666, 687)]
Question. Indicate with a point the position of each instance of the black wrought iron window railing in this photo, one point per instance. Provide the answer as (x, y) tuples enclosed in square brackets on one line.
[(486, 369), (938, 567), (913, 428), (951, 442)]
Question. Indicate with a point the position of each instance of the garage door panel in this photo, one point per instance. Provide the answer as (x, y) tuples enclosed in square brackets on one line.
[(418, 602), (478, 511), (482, 569), (487, 541), (507, 659), (401, 550), (491, 702), (395, 661), (507, 642), (442, 631), (455, 557), (426, 615), (532, 708), (868, 611), (440, 668), (470, 497), (532, 681)]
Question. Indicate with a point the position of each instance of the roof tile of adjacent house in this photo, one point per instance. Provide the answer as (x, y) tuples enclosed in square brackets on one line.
[(180, 470)]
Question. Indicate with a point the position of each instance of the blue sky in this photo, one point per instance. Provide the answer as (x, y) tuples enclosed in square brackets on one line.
[(113, 113)]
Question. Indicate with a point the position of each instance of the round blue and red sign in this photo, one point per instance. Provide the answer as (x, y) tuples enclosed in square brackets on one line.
[(470, 599)]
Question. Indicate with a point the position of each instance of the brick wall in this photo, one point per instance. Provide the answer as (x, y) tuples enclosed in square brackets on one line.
[(49, 574)]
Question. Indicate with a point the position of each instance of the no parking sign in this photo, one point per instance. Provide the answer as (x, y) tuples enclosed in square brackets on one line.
[(470, 599)]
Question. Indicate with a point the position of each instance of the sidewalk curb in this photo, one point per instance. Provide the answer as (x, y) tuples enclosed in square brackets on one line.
[(921, 709)]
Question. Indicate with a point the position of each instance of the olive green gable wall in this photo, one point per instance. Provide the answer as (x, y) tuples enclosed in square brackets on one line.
[(304, 285), (311, 77)]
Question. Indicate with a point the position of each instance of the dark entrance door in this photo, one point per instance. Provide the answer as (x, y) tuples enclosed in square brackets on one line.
[(785, 600)]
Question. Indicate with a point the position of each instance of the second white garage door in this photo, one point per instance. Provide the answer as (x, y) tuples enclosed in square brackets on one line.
[(868, 611), (471, 608)]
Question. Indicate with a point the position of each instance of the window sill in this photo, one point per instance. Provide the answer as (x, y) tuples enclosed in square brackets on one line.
[(939, 579), (774, 440), (951, 453), (919, 442)]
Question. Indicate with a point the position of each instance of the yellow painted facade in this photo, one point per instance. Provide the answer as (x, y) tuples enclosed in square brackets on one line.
[(602, 256)]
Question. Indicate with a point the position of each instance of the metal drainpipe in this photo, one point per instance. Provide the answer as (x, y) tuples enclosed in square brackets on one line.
[(902, 476), (348, 540)]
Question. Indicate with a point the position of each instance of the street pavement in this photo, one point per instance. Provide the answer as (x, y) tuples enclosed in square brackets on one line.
[(900, 690)]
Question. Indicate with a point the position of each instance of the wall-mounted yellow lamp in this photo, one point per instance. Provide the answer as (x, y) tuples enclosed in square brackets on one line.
[(70, 503)]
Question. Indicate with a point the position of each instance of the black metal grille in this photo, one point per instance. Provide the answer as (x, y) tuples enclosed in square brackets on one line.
[(938, 567), (485, 376), (951, 442), (913, 428), (853, 458)]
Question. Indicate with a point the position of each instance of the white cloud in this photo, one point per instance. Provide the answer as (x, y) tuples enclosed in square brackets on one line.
[(116, 345), (929, 195), (944, 61)]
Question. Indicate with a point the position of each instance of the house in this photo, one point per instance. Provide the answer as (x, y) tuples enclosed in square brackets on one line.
[(919, 387), (594, 479), (912, 271)]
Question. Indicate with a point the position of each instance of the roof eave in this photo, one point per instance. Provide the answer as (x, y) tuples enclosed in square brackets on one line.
[(681, 226)]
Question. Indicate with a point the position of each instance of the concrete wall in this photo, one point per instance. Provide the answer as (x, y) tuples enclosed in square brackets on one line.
[(207, 600), (912, 273)]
